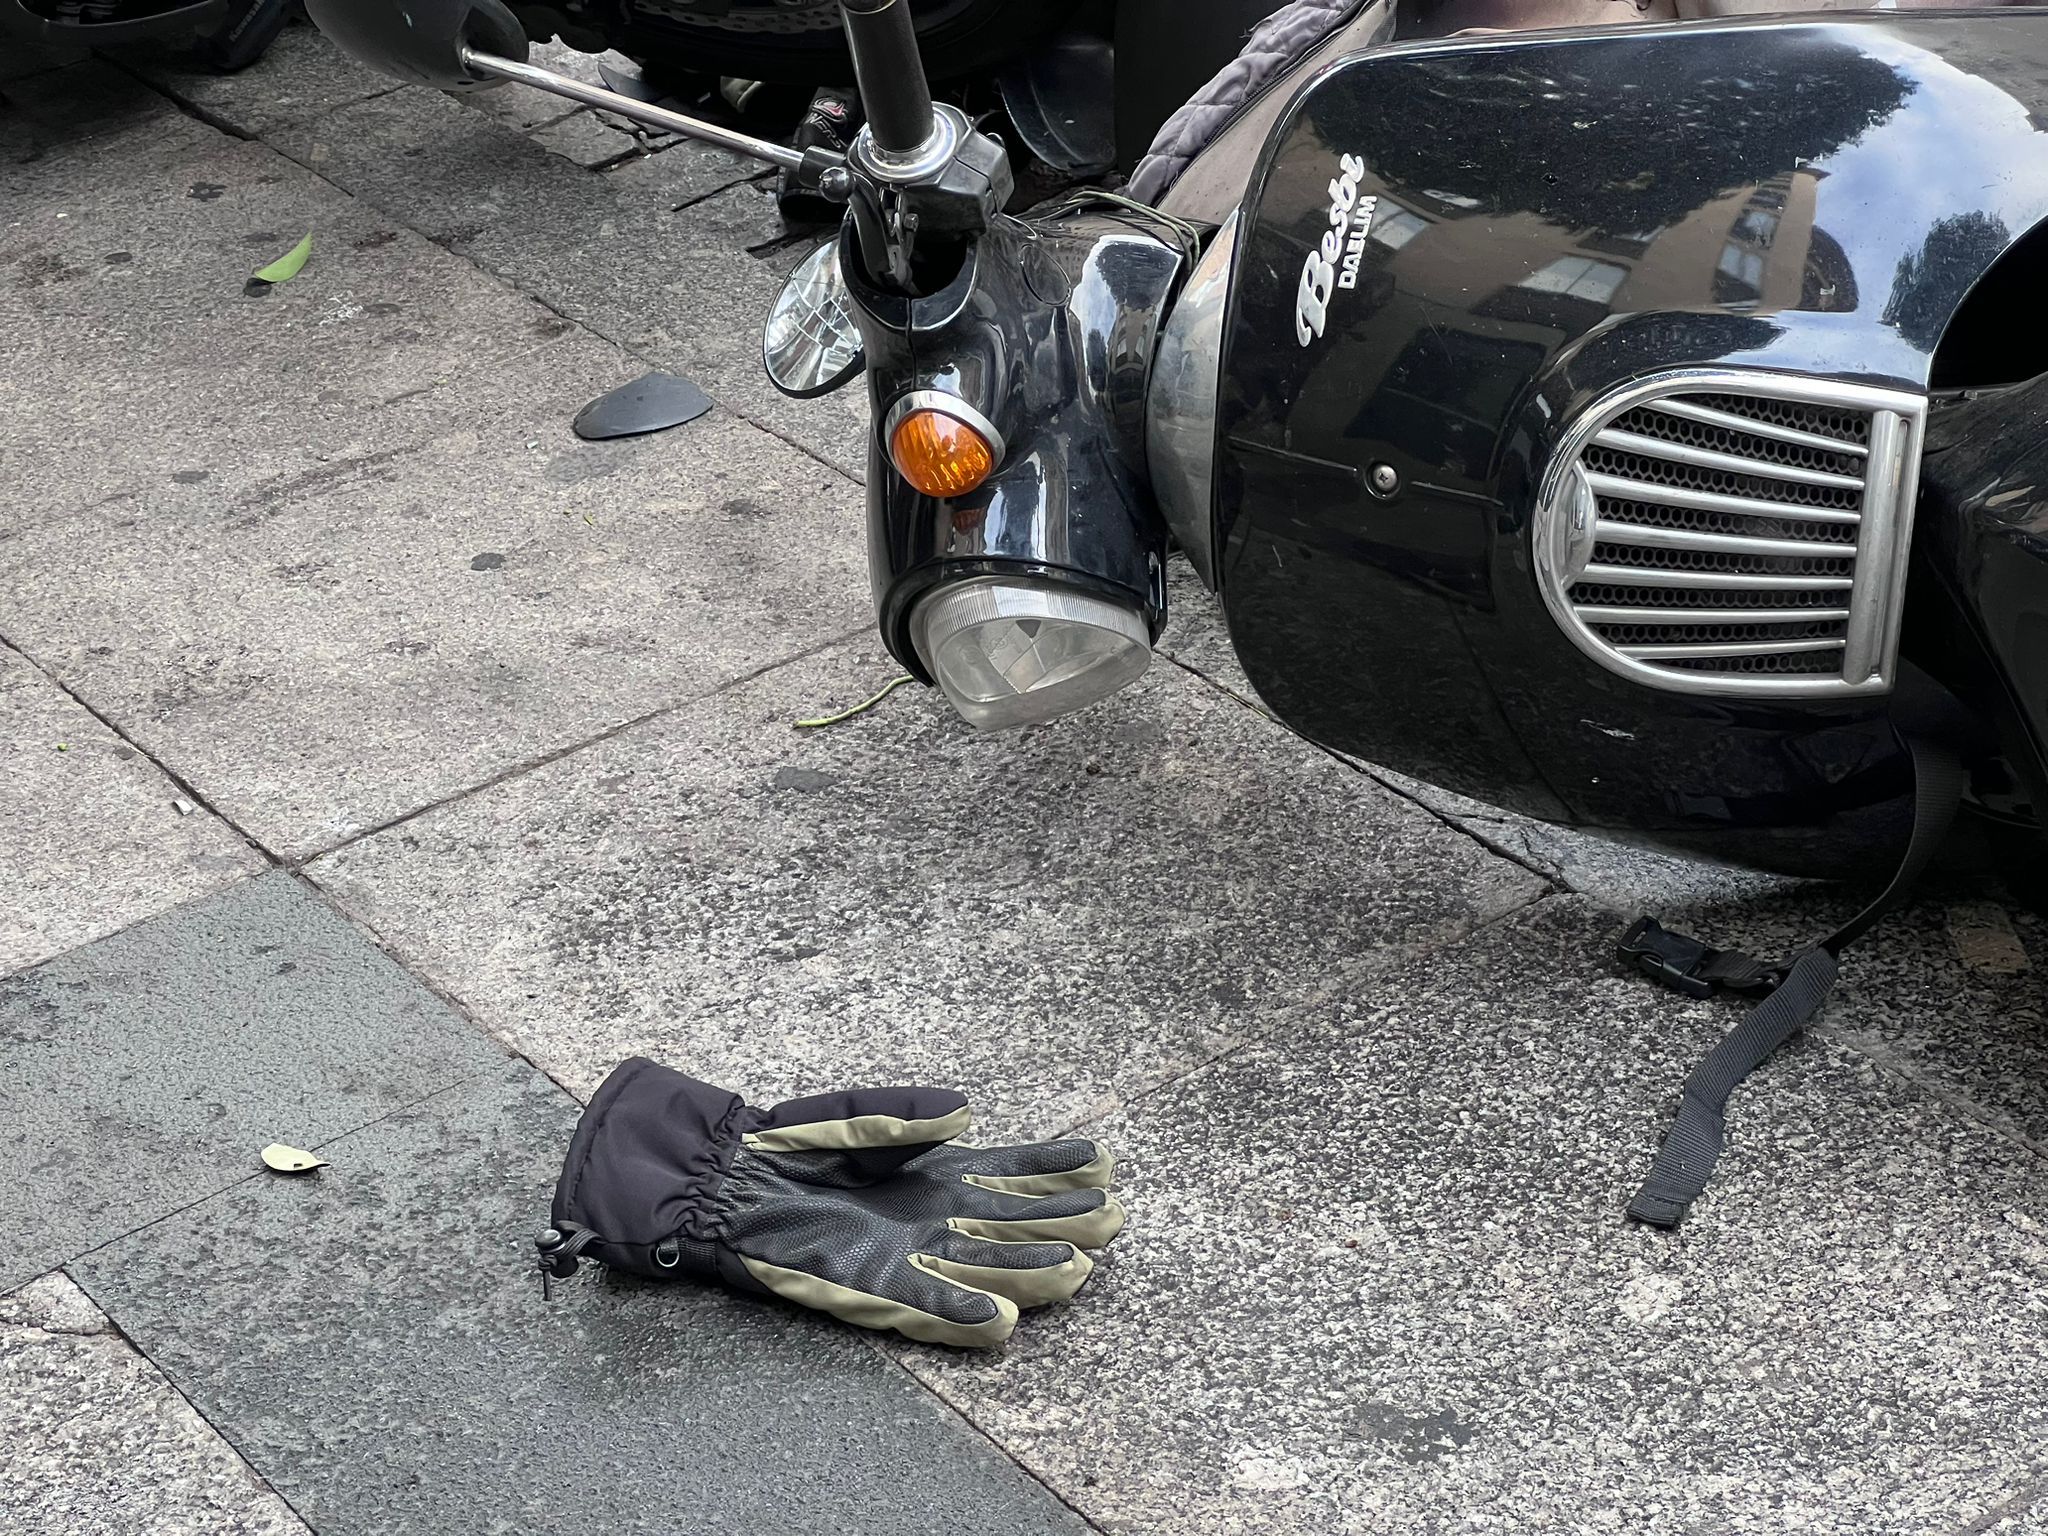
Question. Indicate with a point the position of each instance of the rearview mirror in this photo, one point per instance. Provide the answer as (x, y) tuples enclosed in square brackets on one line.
[(421, 41), (811, 344)]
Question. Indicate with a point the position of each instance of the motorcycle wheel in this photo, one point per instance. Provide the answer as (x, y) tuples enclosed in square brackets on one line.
[(973, 41)]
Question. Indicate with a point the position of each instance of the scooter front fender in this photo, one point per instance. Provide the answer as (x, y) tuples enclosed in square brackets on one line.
[(1523, 224), (1048, 333)]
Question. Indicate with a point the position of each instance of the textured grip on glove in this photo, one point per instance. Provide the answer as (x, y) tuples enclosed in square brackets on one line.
[(852, 1203)]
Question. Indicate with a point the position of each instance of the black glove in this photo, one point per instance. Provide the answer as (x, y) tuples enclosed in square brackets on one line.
[(830, 123), (847, 1202)]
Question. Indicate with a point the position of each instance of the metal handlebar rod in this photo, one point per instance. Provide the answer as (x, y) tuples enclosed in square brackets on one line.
[(639, 111)]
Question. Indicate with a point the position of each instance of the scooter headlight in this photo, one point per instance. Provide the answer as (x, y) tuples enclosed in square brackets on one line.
[(1011, 652)]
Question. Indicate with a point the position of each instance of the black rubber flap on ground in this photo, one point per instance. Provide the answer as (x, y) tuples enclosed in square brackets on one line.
[(651, 403)]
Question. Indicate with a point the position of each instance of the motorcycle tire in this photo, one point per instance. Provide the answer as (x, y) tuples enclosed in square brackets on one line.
[(957, 37)]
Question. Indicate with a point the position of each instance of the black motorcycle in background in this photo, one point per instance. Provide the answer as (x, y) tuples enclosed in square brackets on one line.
[(228, 34)]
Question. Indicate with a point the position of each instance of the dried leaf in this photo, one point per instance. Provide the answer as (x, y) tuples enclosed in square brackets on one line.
[(287, 266), (280, 1158)]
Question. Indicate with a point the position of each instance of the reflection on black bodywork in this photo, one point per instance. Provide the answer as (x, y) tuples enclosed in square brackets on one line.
[(1670, 137), (1551, 217), (1924, 287), (1445, 397)]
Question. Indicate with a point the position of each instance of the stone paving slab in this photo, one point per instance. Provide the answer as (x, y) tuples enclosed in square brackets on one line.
[(92, 836), (22, 59), (99, 1444), (374, 1340), (146, 1071), (680, 287), (651, 255), (302, 76), (62, 104), (1377, 1280), (1948, 990), (1048, 920), (425, 159), (137, 362), (326, 653), (586, 136), (1198, 638), (451, 171)]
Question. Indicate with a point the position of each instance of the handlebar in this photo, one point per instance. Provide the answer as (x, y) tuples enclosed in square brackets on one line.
[(893, 90), (626, 106)]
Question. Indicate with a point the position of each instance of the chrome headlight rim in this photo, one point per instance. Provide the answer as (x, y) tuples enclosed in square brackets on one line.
[(951, 610)]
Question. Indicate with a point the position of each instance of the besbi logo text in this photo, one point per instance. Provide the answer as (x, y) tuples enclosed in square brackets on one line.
[(1334, 263)]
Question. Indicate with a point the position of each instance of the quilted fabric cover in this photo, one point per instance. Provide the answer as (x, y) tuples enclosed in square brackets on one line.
[(1275, 44)]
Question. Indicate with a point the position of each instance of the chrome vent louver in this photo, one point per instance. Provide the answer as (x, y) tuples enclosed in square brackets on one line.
[(1734, 533)]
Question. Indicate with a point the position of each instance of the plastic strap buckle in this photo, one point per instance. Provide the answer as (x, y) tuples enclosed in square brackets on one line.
[(1671, 959)]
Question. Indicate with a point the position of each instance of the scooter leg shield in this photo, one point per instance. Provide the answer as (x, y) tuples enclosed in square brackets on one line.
[(1046, 336)]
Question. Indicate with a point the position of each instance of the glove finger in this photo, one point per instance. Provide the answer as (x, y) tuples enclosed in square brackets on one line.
[(876, 1129), (1037, 1168), (1030, 1274), (929, 1307), (1088, 1217)]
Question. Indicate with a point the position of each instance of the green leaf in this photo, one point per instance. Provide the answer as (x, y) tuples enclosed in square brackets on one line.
[(287, 266)]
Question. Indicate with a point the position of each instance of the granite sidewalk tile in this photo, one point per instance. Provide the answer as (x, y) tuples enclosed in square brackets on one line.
[(137, 362), (1377, 1280), (323, 653), (657, 254), (1949, 989), (302, 76), (25, 58), (681, 288), (450, 171), (146, 1071), (1046, 919), (92, 836), (74, 105), (1198, 638), (99, 1444), (373, 1338)]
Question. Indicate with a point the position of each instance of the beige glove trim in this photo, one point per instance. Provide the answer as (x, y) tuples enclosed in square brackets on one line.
[(865, 1311), (1026, 1287), (1086, 1229), (1091, 1175), (860, 1131)]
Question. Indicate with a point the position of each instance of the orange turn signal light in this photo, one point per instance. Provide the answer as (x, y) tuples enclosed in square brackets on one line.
[(939, 454)]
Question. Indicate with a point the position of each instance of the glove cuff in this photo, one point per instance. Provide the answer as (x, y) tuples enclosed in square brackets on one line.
[(645, 1167)]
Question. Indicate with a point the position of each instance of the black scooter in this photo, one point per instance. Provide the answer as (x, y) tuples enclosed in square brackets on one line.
[(1628, 425)]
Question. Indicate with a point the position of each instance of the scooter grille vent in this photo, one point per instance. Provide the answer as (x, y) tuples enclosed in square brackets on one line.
[(1732, 533)]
